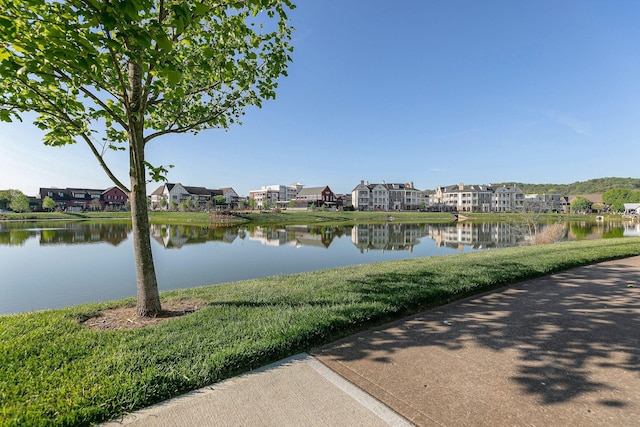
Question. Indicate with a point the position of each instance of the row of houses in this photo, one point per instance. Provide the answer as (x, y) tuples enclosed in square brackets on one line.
[(486, 198), (406, 197), (365, 197), (82, 199), (297, 196), (203, 198)]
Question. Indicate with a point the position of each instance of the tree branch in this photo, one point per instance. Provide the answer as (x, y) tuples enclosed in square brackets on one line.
[(63, 116), (104, 166), (96, 99)]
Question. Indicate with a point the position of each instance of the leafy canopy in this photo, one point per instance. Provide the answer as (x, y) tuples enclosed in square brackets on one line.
[(618, 197), (201, 63), (581, 204)]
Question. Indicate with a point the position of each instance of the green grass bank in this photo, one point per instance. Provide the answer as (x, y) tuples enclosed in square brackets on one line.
[(291, 217), (55, 371)]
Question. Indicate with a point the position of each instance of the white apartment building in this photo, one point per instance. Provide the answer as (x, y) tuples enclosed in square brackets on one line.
[(386, 197), (479, 198), (265, 198), (472, 198), (277, 195)]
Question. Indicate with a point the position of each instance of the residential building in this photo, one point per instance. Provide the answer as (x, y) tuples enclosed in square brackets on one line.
[(265, 198), (546, 202), (277, 195), (404, 197), (232, 198), (472, 198), (201, 197), (632, 209), (82, 199), (385, 197), (315, 196), (507, 199), (114, 198), (167, 194), (479, 198)]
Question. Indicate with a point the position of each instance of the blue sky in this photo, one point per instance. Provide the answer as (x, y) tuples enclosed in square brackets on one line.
[(434, 92)]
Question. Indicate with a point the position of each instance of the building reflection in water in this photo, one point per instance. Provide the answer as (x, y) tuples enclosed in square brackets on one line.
[(388, 236), (67, 233)]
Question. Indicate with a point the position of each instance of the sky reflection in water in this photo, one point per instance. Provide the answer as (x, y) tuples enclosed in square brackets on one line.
[(51, 265)]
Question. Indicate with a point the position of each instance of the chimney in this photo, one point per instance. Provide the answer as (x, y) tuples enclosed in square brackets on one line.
[(461, 186)]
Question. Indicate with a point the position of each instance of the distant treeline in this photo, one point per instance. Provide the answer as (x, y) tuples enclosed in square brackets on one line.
[(592, 186)]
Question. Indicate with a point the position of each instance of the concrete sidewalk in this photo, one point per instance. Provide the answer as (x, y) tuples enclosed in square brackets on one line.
[(560, 350)]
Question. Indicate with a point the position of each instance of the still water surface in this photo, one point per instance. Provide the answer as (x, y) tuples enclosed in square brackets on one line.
[(51, 265)]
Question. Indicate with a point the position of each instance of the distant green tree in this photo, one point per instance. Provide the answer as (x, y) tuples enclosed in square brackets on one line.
[(172, 206), (581, 204), (617, 197), (252, 203), (266, 204), (292, 203), (312, 207), (163, 203), (48, 203), (5, 198), (19, 203)]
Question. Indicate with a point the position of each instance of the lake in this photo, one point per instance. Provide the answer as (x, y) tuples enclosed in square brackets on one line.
[(57, 264)]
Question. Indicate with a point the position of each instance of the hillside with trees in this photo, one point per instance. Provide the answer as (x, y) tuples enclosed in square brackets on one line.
[(592, 186)]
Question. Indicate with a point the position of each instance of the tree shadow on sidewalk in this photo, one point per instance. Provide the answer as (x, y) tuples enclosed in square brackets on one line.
[(561, 328)]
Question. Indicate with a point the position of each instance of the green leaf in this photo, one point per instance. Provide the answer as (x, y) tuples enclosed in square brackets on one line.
[(201, 9), (174, 77), (163, 42)]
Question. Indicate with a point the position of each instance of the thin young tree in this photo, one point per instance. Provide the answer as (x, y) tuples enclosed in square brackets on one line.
[(119, 74)]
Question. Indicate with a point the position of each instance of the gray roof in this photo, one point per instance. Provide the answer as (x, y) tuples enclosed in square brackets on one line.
[(197, 191), (311, 191)]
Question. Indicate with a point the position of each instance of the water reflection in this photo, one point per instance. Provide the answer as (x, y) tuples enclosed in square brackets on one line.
[(64, 233), (69, 255), (366, 237)]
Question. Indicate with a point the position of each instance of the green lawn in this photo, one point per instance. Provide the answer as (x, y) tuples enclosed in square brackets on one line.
[(289, 217), (55, 371)]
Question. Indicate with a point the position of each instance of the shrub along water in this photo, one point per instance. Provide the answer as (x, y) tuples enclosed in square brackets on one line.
[(55, 371)]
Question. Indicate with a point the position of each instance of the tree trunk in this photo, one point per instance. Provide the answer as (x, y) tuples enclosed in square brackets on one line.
[(148, 301)]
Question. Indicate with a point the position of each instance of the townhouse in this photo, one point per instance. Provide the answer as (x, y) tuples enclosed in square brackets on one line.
[(175, 193), (315, 196), (296, 196), (83, 199)]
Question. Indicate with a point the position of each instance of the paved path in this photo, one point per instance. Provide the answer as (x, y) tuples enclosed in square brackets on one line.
[(562, 350)]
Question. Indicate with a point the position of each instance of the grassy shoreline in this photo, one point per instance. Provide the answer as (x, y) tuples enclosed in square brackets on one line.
[(288, 217), (55, 371)]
